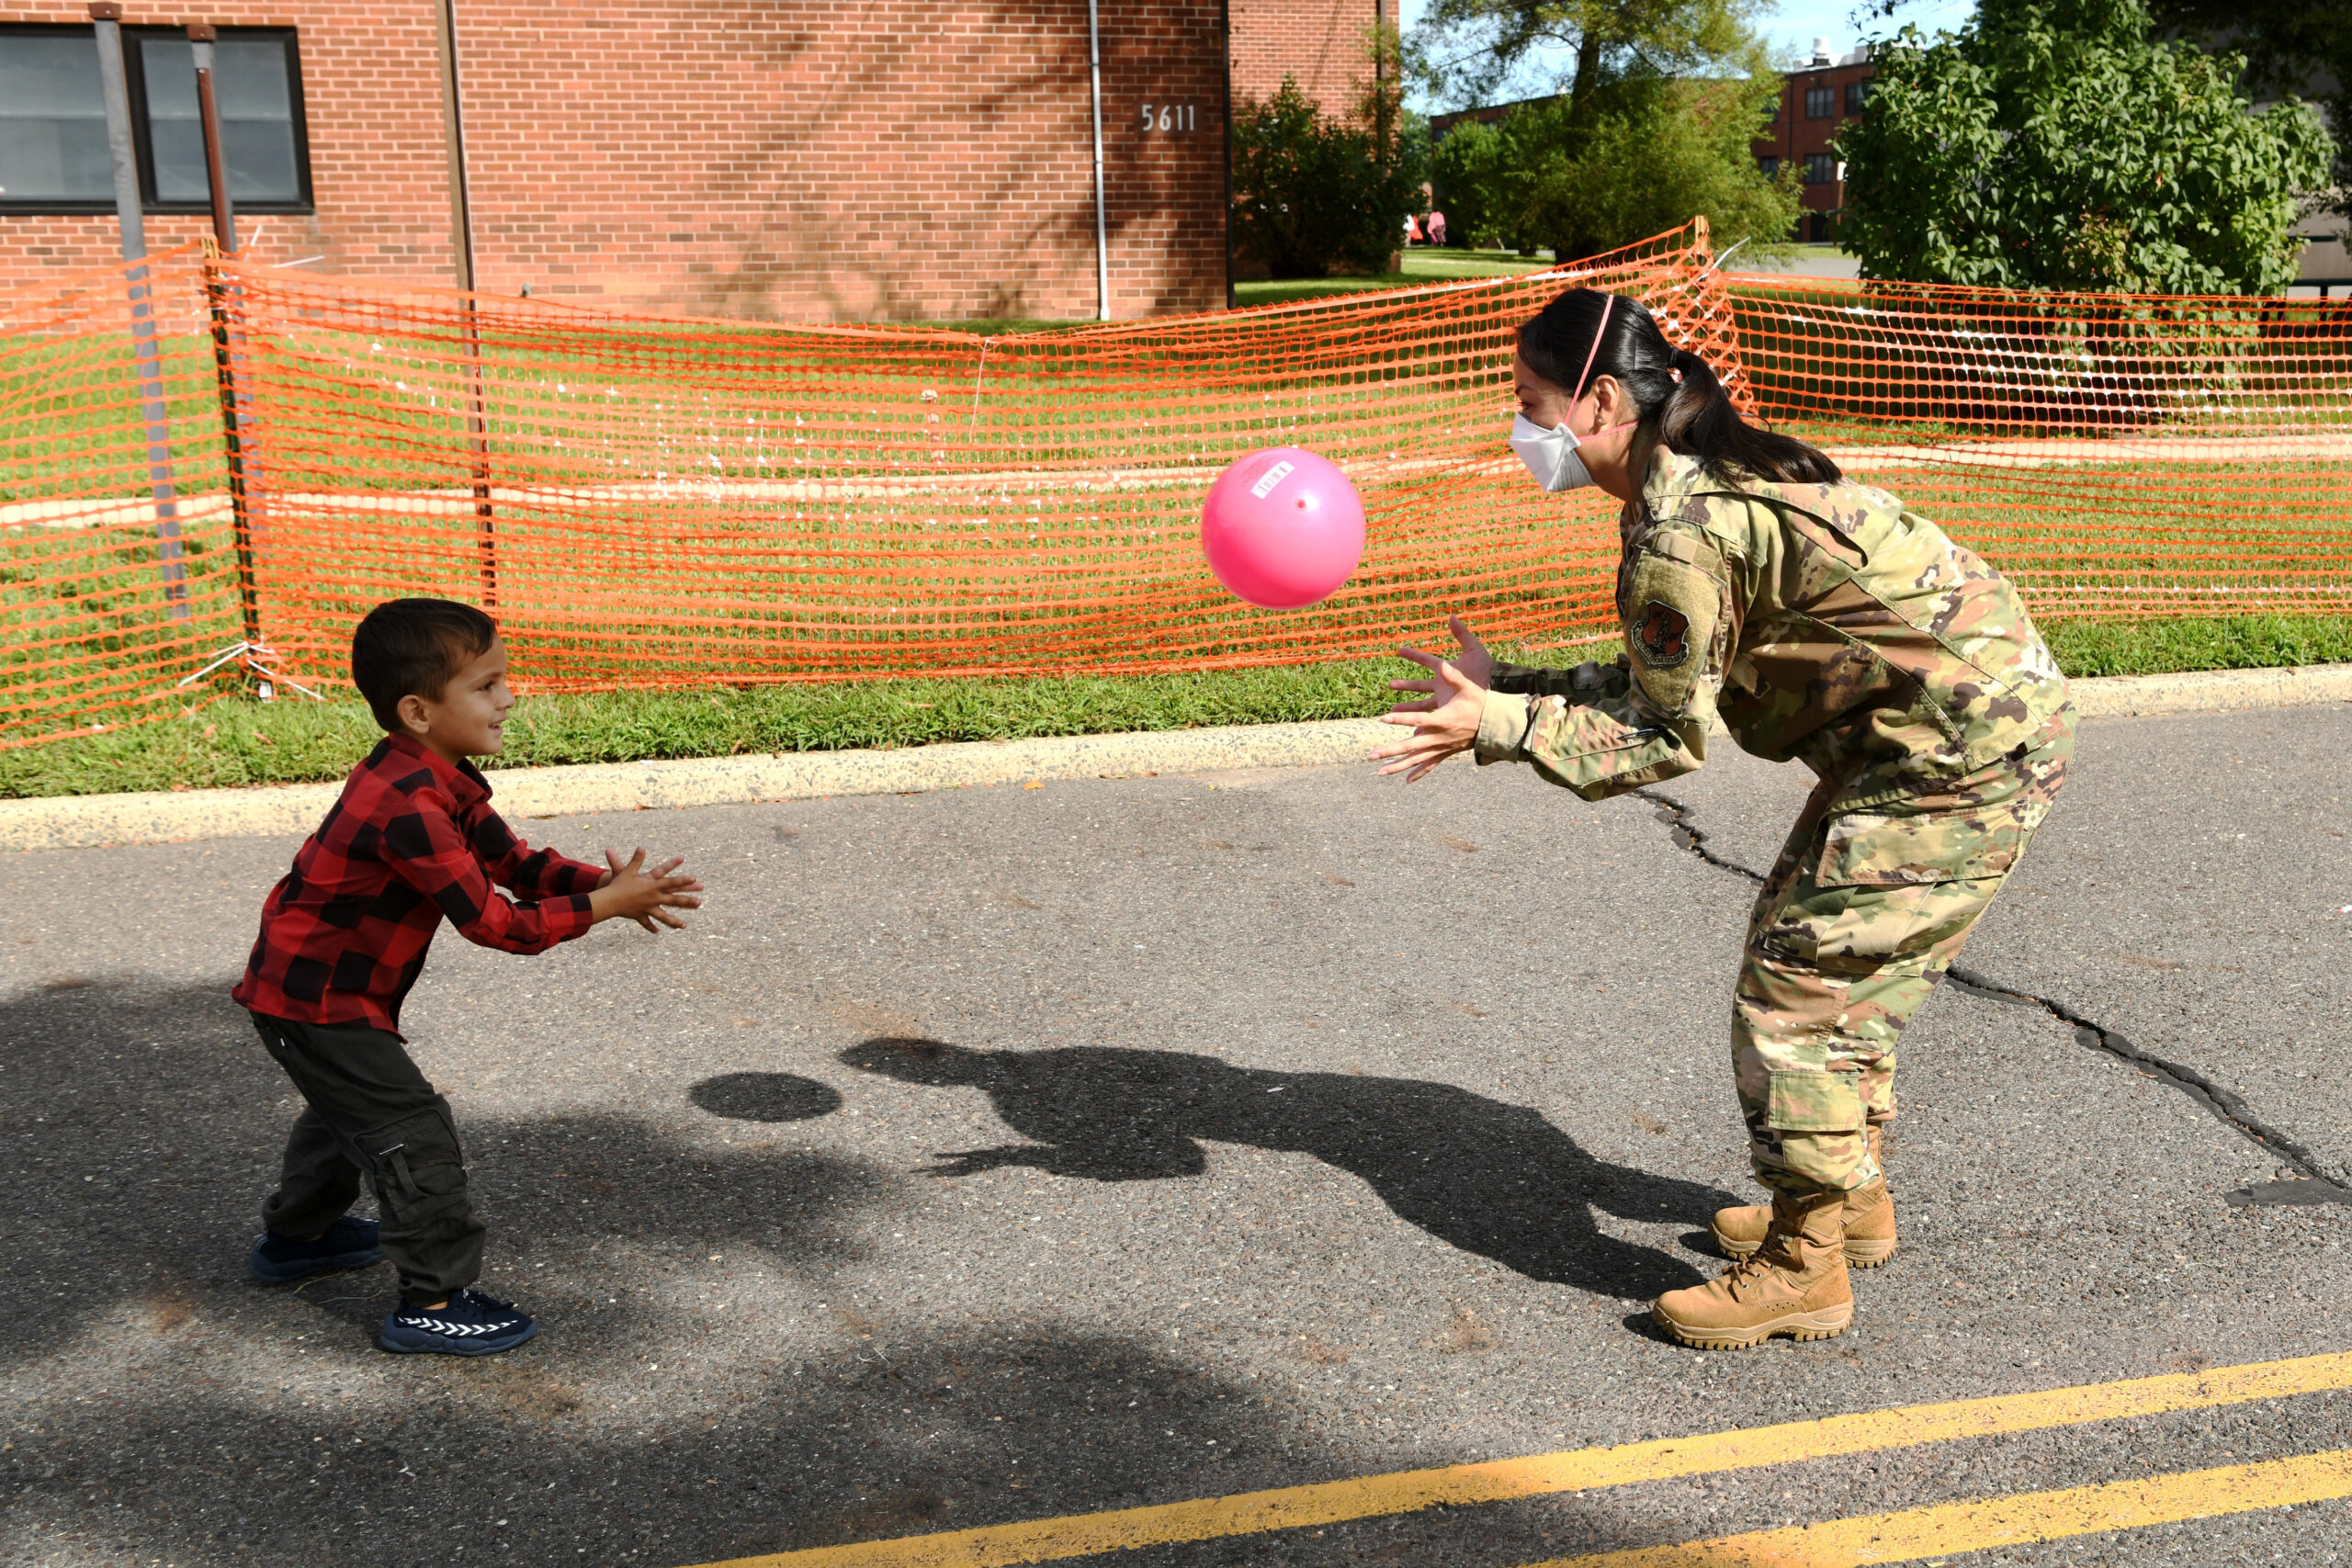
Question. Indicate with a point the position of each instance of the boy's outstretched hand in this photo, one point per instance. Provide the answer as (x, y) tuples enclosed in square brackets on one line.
[(631, 892)]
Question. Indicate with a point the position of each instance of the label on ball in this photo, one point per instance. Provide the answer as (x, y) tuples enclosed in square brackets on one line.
[(1274, 476)]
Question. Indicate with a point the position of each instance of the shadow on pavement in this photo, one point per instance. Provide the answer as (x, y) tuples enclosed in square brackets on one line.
[(1492, 1179), (148, 1126), (162, 1407)]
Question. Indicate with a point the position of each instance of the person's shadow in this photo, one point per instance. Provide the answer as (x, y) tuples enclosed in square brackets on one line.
[(1489, 1177)]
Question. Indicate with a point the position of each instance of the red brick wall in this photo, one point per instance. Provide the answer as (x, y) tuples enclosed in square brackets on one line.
[(370, 79), (826, 160), (1321, 42), (1793, 135)]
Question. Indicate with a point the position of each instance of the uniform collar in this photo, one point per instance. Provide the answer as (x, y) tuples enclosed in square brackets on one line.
[(1670, 477), (460, 780)]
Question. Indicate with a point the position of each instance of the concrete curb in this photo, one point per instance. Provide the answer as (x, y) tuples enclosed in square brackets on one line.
[(84, 821)]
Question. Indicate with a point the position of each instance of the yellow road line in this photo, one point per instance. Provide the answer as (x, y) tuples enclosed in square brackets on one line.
[(1402, 1492), (2006, 1521)]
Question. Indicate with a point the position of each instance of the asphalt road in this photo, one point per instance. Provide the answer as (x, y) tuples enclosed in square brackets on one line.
[(1006, 1154)]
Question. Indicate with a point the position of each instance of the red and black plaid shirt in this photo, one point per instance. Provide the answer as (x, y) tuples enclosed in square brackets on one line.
[(344, 934)]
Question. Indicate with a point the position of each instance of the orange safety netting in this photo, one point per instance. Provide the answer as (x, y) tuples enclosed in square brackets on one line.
[(2116, 454), (649, 502)]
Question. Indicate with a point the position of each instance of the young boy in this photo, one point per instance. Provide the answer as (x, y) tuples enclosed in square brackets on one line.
[(343, 936)]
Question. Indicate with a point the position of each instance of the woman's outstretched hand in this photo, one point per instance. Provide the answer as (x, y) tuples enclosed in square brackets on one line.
[(1445, 721), (1472, 660)]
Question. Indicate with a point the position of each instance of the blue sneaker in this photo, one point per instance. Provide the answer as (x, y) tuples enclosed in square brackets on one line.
[(348, 1243), (471, 1325)]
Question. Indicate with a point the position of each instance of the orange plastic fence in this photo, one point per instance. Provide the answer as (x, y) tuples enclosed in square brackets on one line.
[(648, 502), (2116, 454)]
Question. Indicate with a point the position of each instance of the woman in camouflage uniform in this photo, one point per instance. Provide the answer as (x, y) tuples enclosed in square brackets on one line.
[(1823, 623)]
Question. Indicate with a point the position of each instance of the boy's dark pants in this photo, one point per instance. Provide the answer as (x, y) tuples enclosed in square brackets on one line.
[(371, 1112)]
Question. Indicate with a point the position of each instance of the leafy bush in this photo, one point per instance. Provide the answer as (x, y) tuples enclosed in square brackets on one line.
[(1314, 196), (1641, 155), (2054, 145)]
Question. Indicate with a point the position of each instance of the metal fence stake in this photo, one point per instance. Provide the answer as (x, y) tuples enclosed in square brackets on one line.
[(106, 17), (200, 37)]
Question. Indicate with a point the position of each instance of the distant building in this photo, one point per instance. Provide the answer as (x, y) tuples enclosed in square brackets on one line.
[(1819, 97)]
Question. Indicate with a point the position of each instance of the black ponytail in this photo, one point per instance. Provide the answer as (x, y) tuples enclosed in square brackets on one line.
[(1675, 389)]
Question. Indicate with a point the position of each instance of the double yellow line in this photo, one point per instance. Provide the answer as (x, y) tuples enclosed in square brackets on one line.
[(1884, 1538)]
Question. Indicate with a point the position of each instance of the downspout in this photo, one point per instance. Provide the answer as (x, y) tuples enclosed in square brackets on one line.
[(1102, 250), (1224, 36)]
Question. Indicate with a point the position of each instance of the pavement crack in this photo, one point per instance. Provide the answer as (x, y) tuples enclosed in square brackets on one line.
[(2311, 1182), (1689, 835), (2224, 1103)]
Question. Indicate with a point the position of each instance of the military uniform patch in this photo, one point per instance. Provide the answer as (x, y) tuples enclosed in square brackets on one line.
[(1664, 634)]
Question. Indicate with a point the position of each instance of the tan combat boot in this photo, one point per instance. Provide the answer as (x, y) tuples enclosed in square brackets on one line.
[(1794, 1284), (1869, 1224)]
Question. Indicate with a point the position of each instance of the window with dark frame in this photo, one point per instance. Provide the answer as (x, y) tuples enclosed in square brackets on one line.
[(53, 155), (1769, 166), (1820, 168), (1858, 96), (1819, 103)]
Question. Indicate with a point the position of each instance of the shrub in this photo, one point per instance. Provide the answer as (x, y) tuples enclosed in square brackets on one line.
[(1643, 155), (1314, 196), (2054, 145)]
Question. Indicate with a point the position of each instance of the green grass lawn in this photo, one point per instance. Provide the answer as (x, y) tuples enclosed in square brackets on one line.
[(1421, 264), (238, 741)]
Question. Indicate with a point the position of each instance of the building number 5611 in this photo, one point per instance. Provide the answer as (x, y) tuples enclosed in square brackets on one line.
[(1168, 116)]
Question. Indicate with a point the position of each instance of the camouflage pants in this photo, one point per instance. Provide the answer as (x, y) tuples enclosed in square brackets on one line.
[(1862, 914)]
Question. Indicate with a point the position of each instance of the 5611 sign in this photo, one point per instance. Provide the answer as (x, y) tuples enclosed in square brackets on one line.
[(1173, 118)]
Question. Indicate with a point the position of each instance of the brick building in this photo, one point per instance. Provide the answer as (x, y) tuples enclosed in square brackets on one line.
[(808, 160), (1819, 97)]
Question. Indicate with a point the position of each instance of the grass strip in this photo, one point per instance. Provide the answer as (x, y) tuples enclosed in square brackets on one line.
[(238, 741)]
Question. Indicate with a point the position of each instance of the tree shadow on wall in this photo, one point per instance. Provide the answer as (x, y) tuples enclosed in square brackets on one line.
[(1022, 180), (1490, 1178)]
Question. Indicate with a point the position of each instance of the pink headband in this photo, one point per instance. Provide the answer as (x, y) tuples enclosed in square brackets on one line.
[(1608, 301)]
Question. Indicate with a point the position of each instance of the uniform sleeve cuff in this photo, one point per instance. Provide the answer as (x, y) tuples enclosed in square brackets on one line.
[(1502, 728)]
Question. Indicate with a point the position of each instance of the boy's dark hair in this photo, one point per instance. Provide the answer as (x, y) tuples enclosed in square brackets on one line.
[(411, 647)]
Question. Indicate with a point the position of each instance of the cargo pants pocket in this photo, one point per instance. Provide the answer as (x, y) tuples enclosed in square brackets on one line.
[(416, 1162), (1802, 1100)]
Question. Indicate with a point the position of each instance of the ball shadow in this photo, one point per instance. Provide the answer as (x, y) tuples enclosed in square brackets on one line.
[(766, 1097)]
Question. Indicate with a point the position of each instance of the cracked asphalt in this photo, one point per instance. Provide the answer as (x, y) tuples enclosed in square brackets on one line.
[(1001, 1154)]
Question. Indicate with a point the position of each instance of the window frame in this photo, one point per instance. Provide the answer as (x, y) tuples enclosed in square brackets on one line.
[(142, 152), (1825, 162), (1857, 95), (1828, 99), (37, 205), (1769, 166)]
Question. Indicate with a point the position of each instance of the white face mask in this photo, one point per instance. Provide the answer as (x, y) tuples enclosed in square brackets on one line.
[(1551, 454)]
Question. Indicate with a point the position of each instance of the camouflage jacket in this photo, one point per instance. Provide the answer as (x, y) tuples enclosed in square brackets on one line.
[(1822, 623)]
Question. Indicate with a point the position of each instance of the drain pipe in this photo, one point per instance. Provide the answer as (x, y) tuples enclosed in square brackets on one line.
[(1102, 251)]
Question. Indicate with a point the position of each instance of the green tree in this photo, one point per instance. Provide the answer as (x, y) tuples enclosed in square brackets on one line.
[(2289, 46), (1314, 195), (1652, 154), (1648, 156), (1468, 49), (2055, 144), (1655, 105), (1474, 171)]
